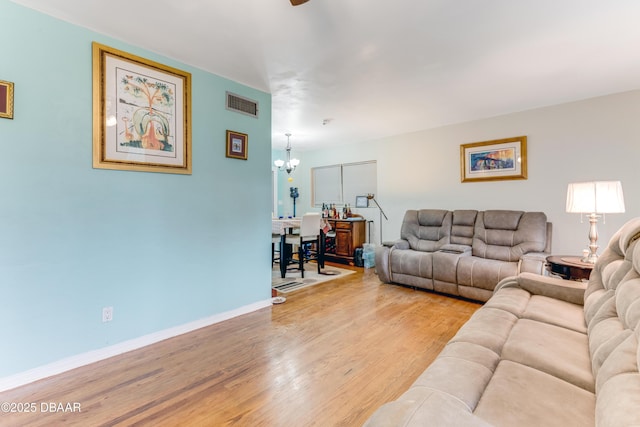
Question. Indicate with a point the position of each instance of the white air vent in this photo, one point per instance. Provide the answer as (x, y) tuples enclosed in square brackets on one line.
[(242, 105)]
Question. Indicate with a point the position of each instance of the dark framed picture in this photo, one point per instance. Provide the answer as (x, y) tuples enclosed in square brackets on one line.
[(6, 99), (141, 114), (362, 202), (500, 159), (237, 145)]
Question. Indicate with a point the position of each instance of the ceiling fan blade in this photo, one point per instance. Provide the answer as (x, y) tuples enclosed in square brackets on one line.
[(298, 2)]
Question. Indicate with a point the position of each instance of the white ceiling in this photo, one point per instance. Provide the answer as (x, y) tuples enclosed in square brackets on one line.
[(377, 68)]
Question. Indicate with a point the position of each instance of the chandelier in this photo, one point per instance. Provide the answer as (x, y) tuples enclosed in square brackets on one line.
[(290, 164)]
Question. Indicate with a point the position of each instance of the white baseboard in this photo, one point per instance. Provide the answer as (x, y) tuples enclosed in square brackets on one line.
[(63, 365)]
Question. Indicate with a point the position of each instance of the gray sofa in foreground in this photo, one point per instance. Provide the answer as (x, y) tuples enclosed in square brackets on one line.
[(464, 252), (541, 352)]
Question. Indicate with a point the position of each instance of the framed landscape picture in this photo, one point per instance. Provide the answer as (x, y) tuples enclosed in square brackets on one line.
[(141, 114), (500, 159)]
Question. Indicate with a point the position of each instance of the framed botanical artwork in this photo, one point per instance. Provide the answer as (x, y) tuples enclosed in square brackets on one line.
[(6, 99), (496, 160), (141, 114), (237, 145)]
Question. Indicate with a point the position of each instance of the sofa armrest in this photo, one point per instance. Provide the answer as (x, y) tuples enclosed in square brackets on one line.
[(533, 262), (455, 249), (565, 290)]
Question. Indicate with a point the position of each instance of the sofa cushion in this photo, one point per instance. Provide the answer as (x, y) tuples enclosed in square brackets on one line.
[(513, 300), (488, 327), (560, 352), (541, 333), (519, 395), (426, 229), (463, 371), (556, 312), (463, 223), (507, 235), (484, 273)]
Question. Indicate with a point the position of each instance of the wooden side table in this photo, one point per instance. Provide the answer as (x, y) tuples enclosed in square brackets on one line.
[(569, 267)]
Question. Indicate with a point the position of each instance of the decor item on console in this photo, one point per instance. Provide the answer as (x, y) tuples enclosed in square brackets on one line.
[(494, 160), (362, 201), (596, 199), (290, 164), (237, 145), (293, 192), (6, 99), (542, 351), (464, 252), (141, 114)]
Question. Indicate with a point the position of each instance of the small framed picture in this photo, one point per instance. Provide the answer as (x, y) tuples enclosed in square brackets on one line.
[(362, 202), (6, 99), (237, 145)]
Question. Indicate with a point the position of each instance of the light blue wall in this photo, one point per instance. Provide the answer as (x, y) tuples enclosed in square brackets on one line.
[(162, 249)]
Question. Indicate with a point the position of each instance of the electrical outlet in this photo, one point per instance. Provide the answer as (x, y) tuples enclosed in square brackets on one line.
[(107, 314)]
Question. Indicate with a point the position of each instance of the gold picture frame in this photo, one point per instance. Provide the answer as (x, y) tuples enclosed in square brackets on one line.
[(237, 145), (141, 114), (6, 99), (497, 160)]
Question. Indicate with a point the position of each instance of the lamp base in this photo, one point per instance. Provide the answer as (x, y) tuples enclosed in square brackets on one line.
[(590, 256)]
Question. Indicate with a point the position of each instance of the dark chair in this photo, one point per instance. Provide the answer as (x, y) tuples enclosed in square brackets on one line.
[(276, 239), (308, 242)]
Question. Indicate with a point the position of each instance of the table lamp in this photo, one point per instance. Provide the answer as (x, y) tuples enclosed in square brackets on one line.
[(594, 198)]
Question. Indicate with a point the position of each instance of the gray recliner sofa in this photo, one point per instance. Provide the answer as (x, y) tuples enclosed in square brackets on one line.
[(541, 352), (464, 252)]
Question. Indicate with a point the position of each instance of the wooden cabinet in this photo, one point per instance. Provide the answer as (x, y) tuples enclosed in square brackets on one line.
[(346, 235)]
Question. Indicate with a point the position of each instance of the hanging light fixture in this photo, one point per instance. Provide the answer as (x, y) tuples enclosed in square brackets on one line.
[(290, 164)]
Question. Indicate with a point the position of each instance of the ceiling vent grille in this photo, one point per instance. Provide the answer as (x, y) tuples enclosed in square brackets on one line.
[(242, 105)]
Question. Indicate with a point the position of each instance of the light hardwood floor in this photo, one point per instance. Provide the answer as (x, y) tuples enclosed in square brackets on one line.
[(329, 356)]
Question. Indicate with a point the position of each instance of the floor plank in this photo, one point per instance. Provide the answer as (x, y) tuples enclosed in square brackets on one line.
[(329, 356)]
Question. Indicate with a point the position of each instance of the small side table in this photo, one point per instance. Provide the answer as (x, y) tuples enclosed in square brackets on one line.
[(569, 267)]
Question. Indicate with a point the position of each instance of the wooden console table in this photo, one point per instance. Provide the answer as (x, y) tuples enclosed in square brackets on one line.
[(349, 235)]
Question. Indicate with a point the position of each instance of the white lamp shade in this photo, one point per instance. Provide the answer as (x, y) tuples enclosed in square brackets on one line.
[(279, 163), (595, 197)]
